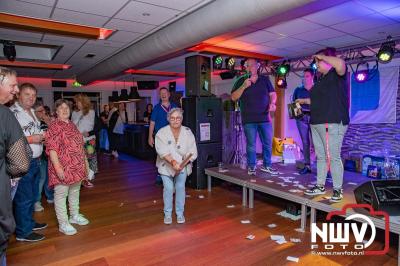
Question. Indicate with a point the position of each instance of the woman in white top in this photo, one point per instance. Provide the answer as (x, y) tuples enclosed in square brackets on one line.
[(84, 120), (176, 150)]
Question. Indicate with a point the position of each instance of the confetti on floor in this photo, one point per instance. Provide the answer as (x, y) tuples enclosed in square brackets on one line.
[(245, 221), (272, 225), (250, 237), (294, 259)]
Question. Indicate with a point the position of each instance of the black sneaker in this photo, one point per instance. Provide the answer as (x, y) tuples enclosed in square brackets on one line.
[(337, 195), (33, 237), (269, 170), (39, 226), (316, 190), (305, 170), (251, 171)]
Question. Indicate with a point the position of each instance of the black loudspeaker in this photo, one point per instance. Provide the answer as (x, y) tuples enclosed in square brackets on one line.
[(203, 115), (172, 86), (198, 76), (147, 85), (58, 83), (208, 156), (382, 195)]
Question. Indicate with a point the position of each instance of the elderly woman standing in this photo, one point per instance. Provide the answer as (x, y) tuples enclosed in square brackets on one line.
[(67, 167), (84, 120), (176, 150)]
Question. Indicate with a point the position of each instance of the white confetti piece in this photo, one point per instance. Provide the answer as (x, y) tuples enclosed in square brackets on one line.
[(296, 173), (277, 237), (327, 197), (294, 190), (253, 180), (223, 170), (230, 206), (301, 187), (300, 230), (281, 241), (296, 182), (270, 181), (295, 240), (245, 221), (272, 225), (188, 196), (352, 183), (250, 237), (201, 196), (294, 259), (121, 204), (154, 201)]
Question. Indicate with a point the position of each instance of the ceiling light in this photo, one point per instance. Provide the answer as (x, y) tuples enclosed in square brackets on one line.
[(9, 50), (217, 62), (230, 63), (281, 82), (386, 52)]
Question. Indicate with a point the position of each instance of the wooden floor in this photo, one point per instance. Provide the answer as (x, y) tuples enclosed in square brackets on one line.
[(126, 228)]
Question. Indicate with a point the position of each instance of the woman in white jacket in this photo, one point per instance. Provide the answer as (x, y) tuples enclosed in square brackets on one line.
[(176, 150)]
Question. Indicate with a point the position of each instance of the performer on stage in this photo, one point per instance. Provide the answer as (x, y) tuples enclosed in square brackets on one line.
[(303, 123), (257, 98), (329, 120)]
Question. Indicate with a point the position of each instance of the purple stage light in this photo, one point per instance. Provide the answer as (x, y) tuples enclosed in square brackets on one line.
[(361, 76)]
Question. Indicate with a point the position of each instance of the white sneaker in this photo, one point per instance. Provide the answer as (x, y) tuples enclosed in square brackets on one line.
[(78, 219), (38, 207), (180, 219), (67, 229)]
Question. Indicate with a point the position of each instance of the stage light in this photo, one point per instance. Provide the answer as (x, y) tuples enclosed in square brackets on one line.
[(9, 50), (386, 52), (281, 82), (313, 65), (361, 76), (230, 63), (283, 69), (217, 62)]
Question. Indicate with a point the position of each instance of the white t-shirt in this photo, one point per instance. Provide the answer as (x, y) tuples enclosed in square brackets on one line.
[(84, 123), (30, 126)]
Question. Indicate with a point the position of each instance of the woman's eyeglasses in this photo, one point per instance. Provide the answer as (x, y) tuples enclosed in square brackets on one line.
[(178, 118)]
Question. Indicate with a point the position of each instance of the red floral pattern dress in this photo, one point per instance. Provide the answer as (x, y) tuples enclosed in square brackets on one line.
[(65, 139)]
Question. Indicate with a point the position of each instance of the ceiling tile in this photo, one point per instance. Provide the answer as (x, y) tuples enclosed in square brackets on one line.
[(132, 26), (393, 13), (259, 37), (379, 33), (105, 8), (154, 15), (320, 34), (40, 2), (305, 47), (59, 40), (175, 4), (293, 27), (339, 13), (364, 23), (379, 5), (80, 18), (270, 50), (284, 42), (19, 33), (124, 36), (106, 43), (341, 41), (25, 9)]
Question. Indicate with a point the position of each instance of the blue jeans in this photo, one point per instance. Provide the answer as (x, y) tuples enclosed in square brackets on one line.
[(44, 182), (170, 183), (25, 198), (335, 139), (303, 125), (3, 261), (265, 132)]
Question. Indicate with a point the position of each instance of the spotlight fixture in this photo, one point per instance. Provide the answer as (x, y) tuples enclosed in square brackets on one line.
[(9, 50), (281, 82), (386, 52), (313, 65), (134, 95), (230, 63), (217, 62), (123, 97), (283, 69)]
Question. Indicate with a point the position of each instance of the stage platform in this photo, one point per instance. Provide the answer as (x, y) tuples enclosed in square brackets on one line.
[(289, 185)]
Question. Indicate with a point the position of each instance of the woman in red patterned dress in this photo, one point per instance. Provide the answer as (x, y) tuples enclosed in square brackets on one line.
[(68, 166)]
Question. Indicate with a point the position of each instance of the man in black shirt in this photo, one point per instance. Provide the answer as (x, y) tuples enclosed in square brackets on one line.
[(329, 120), (303, 123), (257, 98), (14, 156)]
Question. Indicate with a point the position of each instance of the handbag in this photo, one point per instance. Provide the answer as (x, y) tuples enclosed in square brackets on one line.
[(277, 145), (295, 111)]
